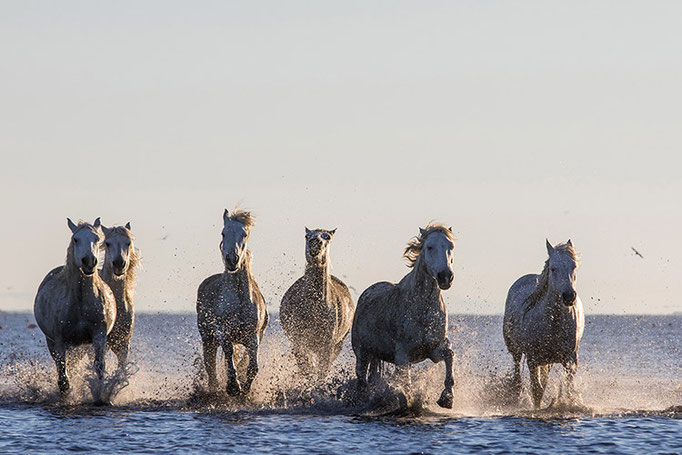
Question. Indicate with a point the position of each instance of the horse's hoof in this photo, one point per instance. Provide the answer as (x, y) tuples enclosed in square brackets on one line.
[(100, 402), (445, 400), (233, 388)]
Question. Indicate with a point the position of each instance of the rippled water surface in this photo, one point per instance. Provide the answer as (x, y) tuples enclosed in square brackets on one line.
[(629, 378)]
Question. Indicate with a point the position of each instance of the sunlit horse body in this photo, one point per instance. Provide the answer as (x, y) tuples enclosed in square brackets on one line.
[(73, 305), (120, 260), (317, 310), (543, 319), (230, 307), (406, 323)]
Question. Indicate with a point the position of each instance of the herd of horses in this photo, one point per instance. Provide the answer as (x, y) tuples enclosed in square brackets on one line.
[(399, 323)]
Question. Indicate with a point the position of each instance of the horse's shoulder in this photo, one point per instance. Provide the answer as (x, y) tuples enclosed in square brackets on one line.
[(295, 290), (377, 289), (210, 284), (340, 286), (526, 283)]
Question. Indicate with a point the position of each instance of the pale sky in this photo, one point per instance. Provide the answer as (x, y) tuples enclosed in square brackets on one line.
[(510, 121)]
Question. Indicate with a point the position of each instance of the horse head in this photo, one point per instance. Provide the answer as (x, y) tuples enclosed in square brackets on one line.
[(86, 240), (118, 243), (437, 251), (236, 230), (317, 244), (562, 265)]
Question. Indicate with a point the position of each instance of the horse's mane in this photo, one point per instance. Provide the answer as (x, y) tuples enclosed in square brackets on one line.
[(543, 280), (415, 245), (242, 216)]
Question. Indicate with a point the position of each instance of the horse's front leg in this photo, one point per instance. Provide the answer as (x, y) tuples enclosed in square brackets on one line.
[(443, 352), (537, 388), (99, 342), (58, 353), (571, 367), (233, 387), (252, 369), (210, 346)]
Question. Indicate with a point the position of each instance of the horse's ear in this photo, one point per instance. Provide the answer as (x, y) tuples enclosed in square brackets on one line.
[(332, 232), (550, 248), (72, 226), (128, 225), (569, 243), (106, 230), (226, 214), (97, 223), (422, 231), (307, 231), (450, 229)]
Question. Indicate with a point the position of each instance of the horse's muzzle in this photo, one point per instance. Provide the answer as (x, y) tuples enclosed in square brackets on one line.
[(118, 267), (231, 263), (445, 279), (88, 265), (568, 297)]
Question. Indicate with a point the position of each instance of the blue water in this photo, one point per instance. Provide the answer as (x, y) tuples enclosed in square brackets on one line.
[(629, 379)]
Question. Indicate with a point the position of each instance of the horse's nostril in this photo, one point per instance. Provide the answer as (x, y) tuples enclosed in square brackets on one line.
[(568, 296)]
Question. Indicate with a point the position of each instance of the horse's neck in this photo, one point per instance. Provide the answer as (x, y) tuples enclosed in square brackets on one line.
[(81, 287), (418, 283), (121, 286), (240, 281), (318, 278), (551, 307)]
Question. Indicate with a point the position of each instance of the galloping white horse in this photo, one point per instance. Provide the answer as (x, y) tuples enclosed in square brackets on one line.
[(543, 319), (407, 322), (120, 260), (317, 310), (230, 307), (73, 305)]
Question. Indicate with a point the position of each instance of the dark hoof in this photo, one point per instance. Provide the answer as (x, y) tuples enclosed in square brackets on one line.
[(445, 400), (101, 402), (233, 388)]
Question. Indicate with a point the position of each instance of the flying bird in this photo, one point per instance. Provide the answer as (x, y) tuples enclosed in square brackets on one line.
[(637, 252)]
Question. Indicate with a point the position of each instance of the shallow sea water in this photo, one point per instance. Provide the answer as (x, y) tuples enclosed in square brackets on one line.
[(630, 379)]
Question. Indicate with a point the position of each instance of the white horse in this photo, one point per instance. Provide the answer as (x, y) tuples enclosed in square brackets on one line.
[(543, 319), (73, 305), (120, 260), (230, 307), (407, 322), (317, 310)]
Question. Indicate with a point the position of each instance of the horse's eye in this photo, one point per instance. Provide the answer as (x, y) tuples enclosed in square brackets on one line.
[(429, 248), (553, 270), (75, 240), (107, 244), (326, 236)]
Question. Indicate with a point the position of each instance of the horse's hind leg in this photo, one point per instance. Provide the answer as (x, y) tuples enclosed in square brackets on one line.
[(210, 346), (58, 353), (252, 369), (233, 387)]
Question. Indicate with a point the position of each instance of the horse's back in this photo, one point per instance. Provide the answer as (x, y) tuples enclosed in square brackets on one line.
[(51, 296), (514, 308), (372, 318)]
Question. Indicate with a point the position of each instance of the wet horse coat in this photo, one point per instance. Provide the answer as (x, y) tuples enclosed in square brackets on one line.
[(230, 307), (407, 322), (543, 319), (73, 305), (317, 310)]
